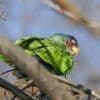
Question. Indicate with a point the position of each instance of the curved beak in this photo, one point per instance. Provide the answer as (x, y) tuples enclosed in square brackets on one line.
[(75, 51)]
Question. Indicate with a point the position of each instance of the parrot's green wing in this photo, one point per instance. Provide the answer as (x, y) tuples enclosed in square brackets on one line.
[(24, 42), (49, 52)]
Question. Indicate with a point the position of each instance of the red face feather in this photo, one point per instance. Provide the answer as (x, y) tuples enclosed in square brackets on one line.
[(70, 43), (74, 50)]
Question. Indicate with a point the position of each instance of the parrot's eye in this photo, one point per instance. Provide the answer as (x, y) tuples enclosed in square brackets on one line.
[(67, 43)]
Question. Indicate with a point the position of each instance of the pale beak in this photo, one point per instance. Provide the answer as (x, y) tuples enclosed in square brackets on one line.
[(75, 51)]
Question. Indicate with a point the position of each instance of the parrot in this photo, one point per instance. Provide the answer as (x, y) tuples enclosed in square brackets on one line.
[(56, 52)]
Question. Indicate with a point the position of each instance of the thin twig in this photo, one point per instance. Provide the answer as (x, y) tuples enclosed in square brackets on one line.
[(25, 87), (5, 72), (5, 94), (78, 86), (14, 90)]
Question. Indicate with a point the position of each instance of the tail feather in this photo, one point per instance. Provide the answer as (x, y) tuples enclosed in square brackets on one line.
[(3, 58)]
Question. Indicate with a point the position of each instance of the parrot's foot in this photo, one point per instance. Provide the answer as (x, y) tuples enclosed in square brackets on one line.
[(67, 78)]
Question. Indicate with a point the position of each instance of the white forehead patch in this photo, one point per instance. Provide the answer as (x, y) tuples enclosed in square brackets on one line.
[(73, 41)]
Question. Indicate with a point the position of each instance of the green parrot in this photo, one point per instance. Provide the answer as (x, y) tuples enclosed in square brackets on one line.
[(55, 52)]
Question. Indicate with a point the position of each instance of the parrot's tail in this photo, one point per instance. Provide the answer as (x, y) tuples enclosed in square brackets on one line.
[(3, 58)]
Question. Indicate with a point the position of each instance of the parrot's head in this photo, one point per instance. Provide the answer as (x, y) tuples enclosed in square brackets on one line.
[(69, 43)]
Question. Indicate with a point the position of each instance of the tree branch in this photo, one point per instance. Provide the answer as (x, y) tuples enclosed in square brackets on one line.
[(66, 8), (16, 91), (77, 86)]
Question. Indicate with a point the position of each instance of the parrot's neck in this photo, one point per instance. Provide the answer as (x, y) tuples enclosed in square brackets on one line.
[(58, 40)]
